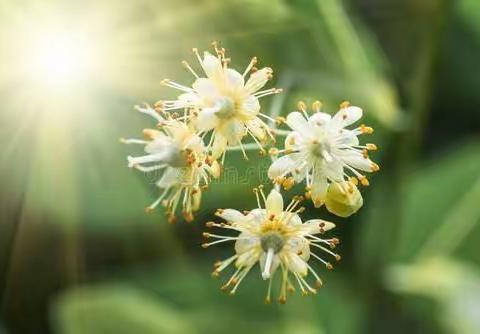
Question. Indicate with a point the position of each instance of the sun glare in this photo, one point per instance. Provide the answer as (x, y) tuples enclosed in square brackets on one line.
[(59, 58)]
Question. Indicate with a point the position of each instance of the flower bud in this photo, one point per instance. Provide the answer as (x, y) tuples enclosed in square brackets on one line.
[(343, 198)]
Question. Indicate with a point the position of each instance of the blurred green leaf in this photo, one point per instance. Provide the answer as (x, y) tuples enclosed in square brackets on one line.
[(116, 309), (441, 202), (470, 11), (452, 284)]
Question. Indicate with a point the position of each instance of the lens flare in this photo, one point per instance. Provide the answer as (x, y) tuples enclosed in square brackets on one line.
[(59, 58)]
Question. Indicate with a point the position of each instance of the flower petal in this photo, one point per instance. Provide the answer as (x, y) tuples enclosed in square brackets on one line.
[(230, 215), (157, 157), (293, 140), (296, 264), (315, 226), (295, 244), (348, 137), (211, 65), (256, 216), (158, 145), (297, 122), (357, 160), (257, 80), (190, 98), (219, 145), (205, 88), (234, 79), (274, 203), (246, 242), (250, 106), (319, 187), (247, 258), (319, 119), (346, 116), (206, 119), (170, 177), (256, 127), (283, 165), (234, 131)]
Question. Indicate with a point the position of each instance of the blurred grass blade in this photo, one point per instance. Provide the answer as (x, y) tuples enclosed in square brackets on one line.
[(116, 309), (457, 225)]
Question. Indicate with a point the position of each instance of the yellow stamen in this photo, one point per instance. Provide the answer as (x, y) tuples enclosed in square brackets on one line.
[(316, 106), (366, 129), (301, 106)]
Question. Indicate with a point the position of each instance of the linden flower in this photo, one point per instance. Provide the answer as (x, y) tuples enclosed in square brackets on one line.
[(224, 102), (179, 153), (274, 237), (321, 150)]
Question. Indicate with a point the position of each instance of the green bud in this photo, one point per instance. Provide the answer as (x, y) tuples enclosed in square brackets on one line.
[(343, 198)]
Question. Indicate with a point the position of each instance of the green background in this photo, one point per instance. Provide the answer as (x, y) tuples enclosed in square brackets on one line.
[(79, 255)]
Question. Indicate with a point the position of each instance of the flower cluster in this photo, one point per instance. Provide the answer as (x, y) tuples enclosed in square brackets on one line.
[(217, 114), (197, 129), (328, 156), (274, 237)]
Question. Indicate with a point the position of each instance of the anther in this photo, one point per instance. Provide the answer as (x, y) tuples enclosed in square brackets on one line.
[(345, 104), (375, 167), (273, 151), (301, 106), (188, 216), (149, 133), (316, 106), (353, 180), (288, 183), (371, 147), (366, 129), (364, 180), (172, 219)]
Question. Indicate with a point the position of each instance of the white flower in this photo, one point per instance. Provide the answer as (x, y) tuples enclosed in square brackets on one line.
[(179, 154), (274, 237), (321, 150), (224, 102)]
